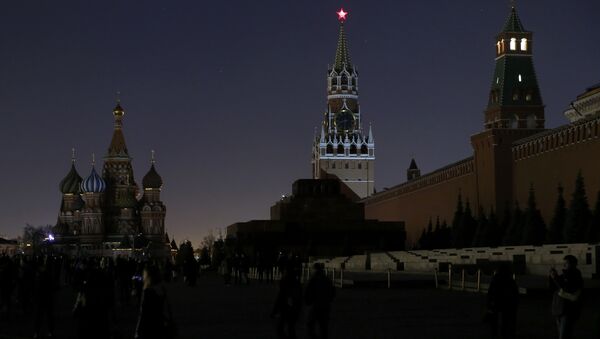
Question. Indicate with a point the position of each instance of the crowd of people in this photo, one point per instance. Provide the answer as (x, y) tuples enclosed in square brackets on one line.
[(29, 286)]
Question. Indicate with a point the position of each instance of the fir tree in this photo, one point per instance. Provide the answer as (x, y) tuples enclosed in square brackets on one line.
[(515, 229), (594, 230), (578, 217), (482, 229), (457, 223), (493, 235), (504, 226), (468, 227), (534, 228), (429, 236), (446, 235), (422, 240), (557, 225), (437, 233)]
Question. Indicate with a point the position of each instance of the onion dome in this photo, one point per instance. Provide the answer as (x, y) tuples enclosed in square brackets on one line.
[(93, 183), (152, 179), (70, 183)]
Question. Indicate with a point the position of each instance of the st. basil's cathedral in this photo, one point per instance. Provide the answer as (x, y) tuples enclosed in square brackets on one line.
[(101, 213)]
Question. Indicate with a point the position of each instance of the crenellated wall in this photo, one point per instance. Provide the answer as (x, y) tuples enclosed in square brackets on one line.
[(429, 196), (554, 157)]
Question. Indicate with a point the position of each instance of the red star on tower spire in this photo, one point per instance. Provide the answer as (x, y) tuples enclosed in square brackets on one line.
[(342, 15)]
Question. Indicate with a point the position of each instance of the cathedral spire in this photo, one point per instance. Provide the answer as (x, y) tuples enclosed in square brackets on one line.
[(117, 147), (342, 55)]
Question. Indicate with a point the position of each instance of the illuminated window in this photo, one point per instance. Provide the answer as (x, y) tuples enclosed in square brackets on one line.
[(513, 44), (528, 97), (523, 44), (520, 78), (498, 50)]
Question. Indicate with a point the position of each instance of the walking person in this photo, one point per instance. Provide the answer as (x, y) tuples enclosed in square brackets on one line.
[(502, 303), (566, 302), (44, 297), (319, 295), (287, 305), (155, 319)]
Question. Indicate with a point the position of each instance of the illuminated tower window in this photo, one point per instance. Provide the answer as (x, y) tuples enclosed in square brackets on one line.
[(498, 50), (520, 78), (523, 44), (513, 44)]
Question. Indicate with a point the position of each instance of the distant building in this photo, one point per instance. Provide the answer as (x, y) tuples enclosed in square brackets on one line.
[(8, 247), (343, 149), (102, 213), (586, 105), (513, 153), (317, 220)]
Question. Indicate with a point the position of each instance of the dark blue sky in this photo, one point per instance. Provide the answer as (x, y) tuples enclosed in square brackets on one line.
[(228, 92)]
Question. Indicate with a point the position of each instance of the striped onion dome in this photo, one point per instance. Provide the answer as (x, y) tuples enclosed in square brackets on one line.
[(70, 184), (93, 183)]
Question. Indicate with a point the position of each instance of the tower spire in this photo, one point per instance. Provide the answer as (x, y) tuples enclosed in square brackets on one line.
[(117, 147), (342, 55), (73, 155), (152, 160)]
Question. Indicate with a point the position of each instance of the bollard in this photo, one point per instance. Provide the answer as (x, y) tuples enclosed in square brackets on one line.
[(389, 278), (478, 280), (462, 280), (341, 277)]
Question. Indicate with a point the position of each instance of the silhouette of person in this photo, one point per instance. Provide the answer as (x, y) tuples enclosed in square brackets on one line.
[(288, 305), (152, 320), (319, 295), (502, 303), (566, 300), (44, 297)]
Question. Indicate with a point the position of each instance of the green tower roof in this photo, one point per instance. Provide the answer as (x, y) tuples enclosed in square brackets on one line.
[(513, 23)]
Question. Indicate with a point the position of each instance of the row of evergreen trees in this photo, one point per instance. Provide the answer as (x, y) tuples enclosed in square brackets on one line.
[(575, 224)]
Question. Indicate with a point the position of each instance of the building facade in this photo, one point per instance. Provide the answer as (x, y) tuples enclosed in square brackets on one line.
[(512, 154), (108, 211), (343, 150)]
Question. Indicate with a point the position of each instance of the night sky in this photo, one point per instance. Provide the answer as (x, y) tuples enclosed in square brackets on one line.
[(228, 92)]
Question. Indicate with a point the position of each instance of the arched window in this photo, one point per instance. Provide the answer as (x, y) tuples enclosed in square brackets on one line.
[(531, 121), (353, 149), (329, 149), (340, 149), (498, 50), (523, 44), (513, 44), (344, 80), (364, 150)]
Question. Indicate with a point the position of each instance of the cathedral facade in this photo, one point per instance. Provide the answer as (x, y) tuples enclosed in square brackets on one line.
[(343, 150), (513, 153), (108, 211)]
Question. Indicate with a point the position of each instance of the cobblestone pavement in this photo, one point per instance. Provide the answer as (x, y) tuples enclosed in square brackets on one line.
[(212, 310)]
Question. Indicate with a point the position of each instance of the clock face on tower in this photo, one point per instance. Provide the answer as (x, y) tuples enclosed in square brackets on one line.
[(344, 120)]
